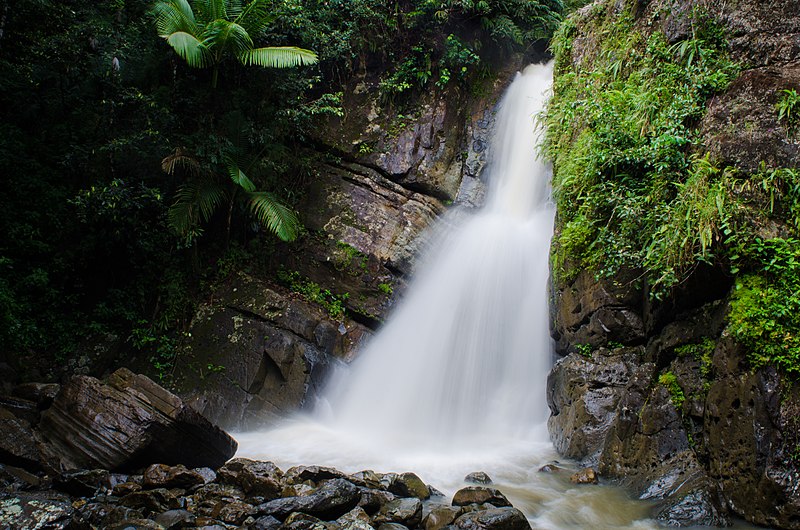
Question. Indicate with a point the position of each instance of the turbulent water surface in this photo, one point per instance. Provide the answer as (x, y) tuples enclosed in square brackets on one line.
[(455, 382)]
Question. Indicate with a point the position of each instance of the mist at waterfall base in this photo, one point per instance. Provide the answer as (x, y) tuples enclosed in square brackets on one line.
[(455, 380)]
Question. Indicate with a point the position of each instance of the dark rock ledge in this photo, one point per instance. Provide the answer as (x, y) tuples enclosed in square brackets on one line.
[(127, 453)]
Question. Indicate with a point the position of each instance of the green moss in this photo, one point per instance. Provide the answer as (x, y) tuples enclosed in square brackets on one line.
[(334, 304), (386, 288), (669, 380), (347, 258), (702, 351), (622, 133)]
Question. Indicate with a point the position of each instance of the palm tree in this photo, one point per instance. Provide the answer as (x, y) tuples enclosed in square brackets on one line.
[(215, 28), (205, 191)]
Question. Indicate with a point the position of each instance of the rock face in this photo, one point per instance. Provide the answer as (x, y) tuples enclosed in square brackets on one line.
[(255, 353), (126, 423), (657, 395), (258, 351)]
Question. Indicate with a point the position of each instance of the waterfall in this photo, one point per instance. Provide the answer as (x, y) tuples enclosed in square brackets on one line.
[(458, 372), (465, 356)]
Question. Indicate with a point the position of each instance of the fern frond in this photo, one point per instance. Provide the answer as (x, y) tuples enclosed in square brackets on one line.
[(278, 218), (195, 201), (278, 57)]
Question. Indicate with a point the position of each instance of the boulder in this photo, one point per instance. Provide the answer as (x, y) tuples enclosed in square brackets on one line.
[(409, 485), (480, 495), (406, 511), (440, 516), (18, 439), (506, 518), (315, 474), (584, 476), (127, 423), (256, 478), (332, 500), (164, 476), (172, 519)]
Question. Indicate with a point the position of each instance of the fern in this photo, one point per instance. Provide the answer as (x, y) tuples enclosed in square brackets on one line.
[(278, 218)]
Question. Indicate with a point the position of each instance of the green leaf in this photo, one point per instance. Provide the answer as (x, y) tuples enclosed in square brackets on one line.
[(238, 176), (278, 57), (173, 16), (229, 36), (196, 201), (189, 48), (278, 218)]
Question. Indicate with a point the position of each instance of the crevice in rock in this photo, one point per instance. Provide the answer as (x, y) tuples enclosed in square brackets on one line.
[(365, 320), (251, 315)]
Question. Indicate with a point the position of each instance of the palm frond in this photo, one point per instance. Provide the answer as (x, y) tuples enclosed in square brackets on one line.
[(238, 176), (228, 35), (278, 57), (195, 201), (179, 158), (278, 218), (174, 15), (255, 17), (189, 48)]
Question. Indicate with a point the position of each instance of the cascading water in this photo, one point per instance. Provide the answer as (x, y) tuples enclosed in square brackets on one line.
[(455, 382)]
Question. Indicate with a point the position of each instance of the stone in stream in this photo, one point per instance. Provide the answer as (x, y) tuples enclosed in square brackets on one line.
[(315, 474), (584, 476), (266, 523), (478, 477), (506, 518), (355, 519), (129, 422), (373, 499), (409, 485), (480, 495)]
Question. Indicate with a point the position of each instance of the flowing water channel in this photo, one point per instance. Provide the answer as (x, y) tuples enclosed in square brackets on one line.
[(455, 381)]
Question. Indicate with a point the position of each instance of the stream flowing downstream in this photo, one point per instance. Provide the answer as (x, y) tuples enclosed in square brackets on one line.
[(455, 381)]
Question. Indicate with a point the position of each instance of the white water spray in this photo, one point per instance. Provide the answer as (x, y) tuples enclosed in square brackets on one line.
[(455, 382)]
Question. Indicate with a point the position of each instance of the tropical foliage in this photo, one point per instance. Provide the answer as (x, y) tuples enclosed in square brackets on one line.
[(220, 28)]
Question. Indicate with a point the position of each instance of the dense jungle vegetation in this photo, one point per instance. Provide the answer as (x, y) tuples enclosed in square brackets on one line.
[(637, 188), (139, 170)]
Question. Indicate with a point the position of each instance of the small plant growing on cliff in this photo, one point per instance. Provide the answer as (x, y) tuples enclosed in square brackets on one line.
[(584, 350), (788, 108), (669, 380), (385, 288)]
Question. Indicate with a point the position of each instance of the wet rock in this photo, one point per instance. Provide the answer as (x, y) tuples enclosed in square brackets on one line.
[(698, 507), (373, 499), (136, 524), (42, 394), (129, 422), (406, 511), (584, 476), (302, 521), (164, 476), (234, 513), (495, 519), (266, 523), (480, 495), (392, 526), (333, 499), (478, 477), (440, 517), (207, 474), (315, 474), (255, 478), (176, 519), (103, 515), (151, 501), (355, 519), (83, 483), (367, 479), (124, 488), (15, 478), (270, 358), (18, 439), (551, 468), (30, 511), (409, 485)]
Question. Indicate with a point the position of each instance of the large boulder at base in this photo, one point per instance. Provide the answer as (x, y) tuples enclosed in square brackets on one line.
[(332, 500), (127, 423)]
